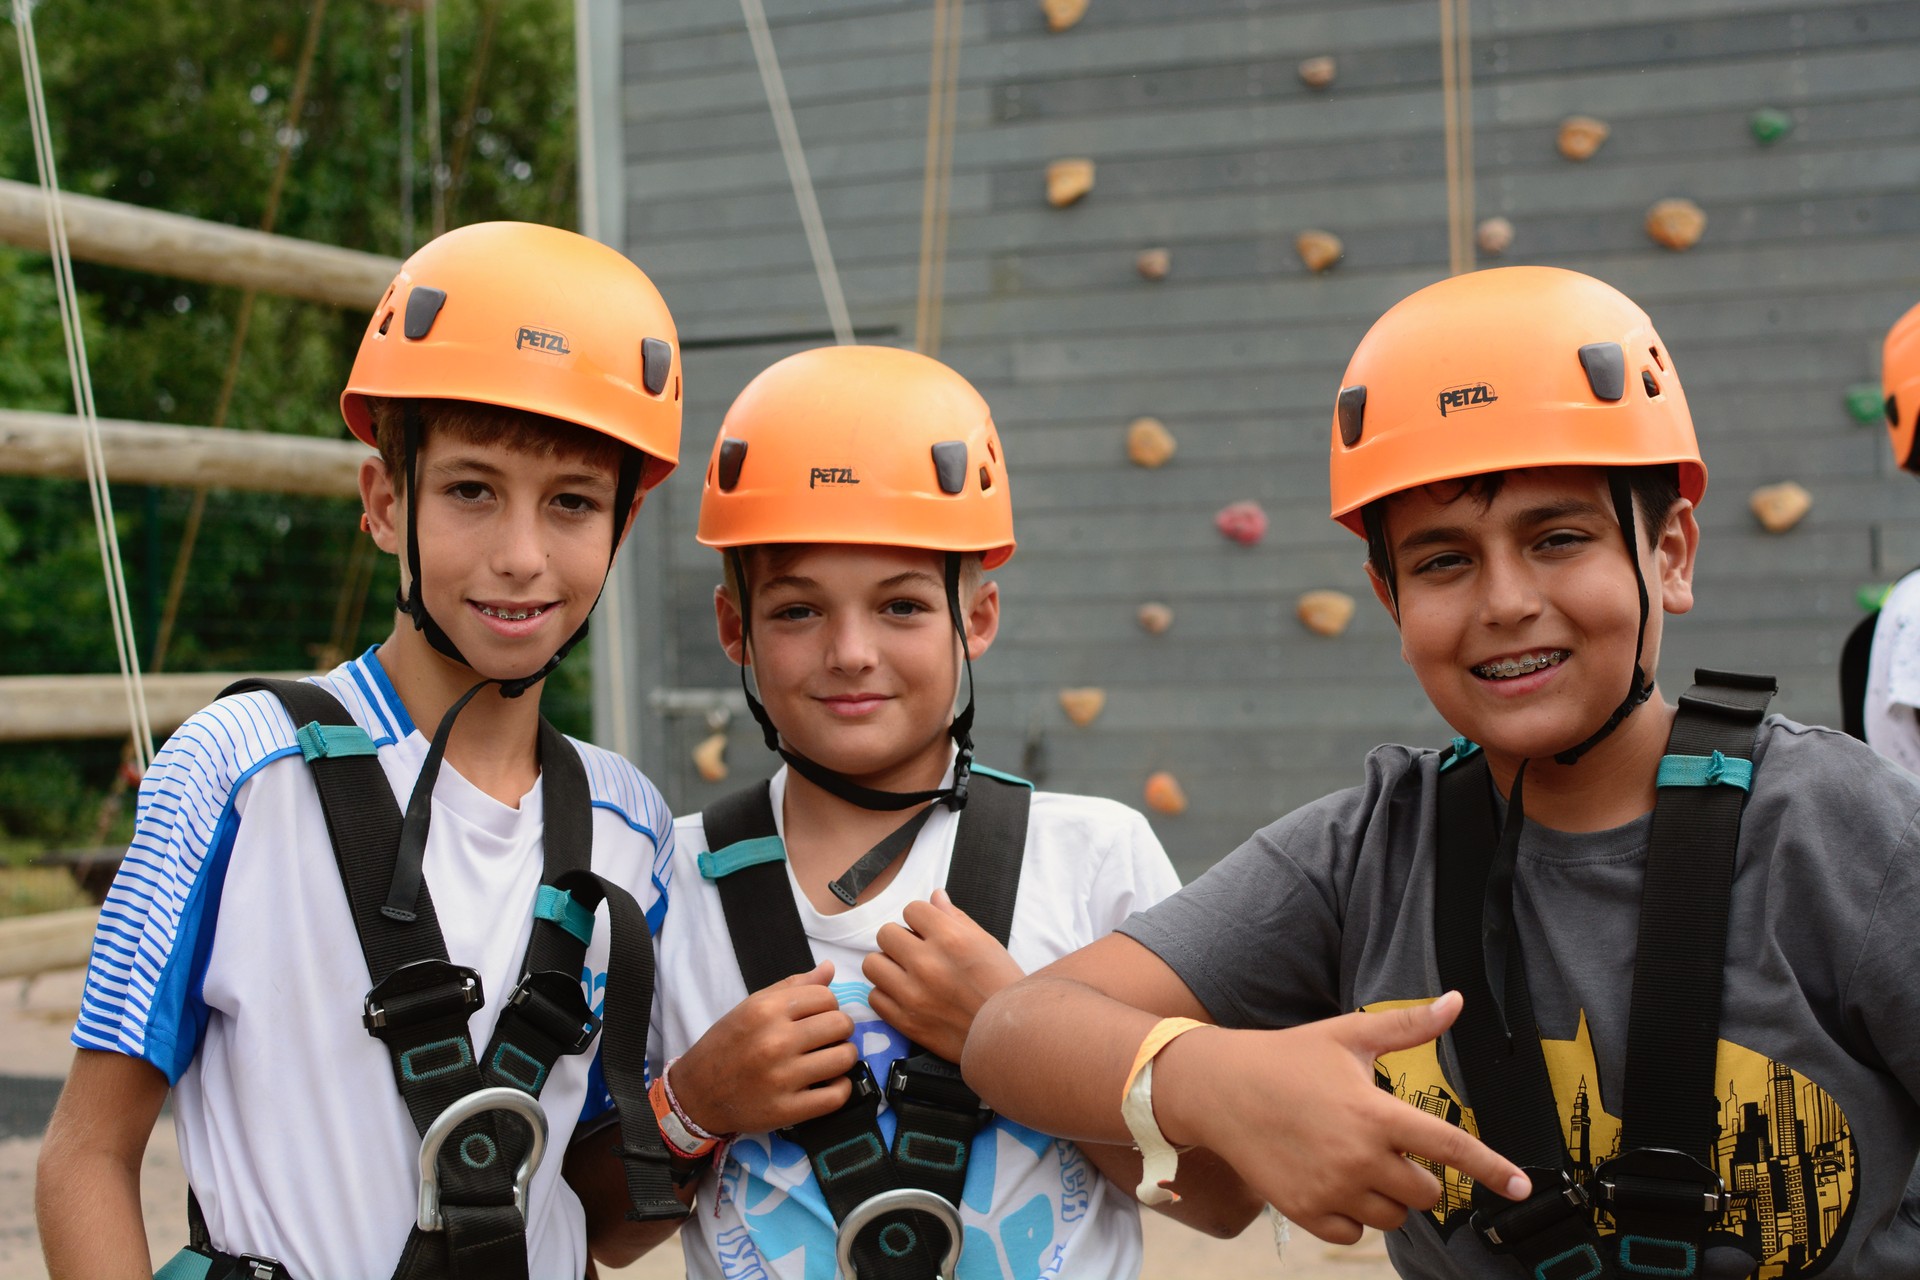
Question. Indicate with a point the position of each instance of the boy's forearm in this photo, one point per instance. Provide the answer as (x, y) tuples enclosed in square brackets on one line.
[(87, 1205), (1213, 1198), (1053, 1054)]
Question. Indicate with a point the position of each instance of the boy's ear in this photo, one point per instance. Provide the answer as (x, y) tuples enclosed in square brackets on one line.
[(1673, 557), (983, 618), (726, 617), (381, 505)]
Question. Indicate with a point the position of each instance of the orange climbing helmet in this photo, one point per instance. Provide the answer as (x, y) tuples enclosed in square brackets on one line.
[(528, 317), (1507, 368), (869, 445), (1900, 382)]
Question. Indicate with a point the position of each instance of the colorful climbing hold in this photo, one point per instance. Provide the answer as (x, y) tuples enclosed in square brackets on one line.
[(1769, 125), (1164, 794), (1318, 73), (1325, 613), (1493, 236), (1873, 595), (1149, 443), (1154, 618), (1083, 706), (1154, 263), (1779, 507), (1243, 522), (1062, 14), (1068, 180), (1676, 223), (1581, 136), (1318, 249), (1864, 404), (710, 758)]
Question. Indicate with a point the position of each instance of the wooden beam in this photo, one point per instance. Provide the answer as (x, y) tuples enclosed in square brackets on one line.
[(125, 235), (52, 940), (44, 708), (49, 444)]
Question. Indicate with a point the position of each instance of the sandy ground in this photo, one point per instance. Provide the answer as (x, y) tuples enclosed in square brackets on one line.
[(35, 1019)]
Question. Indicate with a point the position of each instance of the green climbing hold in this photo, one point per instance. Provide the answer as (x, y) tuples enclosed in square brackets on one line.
[(1873, 595), (1769, 125), (1864, 403)]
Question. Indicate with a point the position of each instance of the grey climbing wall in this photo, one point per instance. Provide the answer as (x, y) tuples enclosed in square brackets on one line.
[(1207, 143)]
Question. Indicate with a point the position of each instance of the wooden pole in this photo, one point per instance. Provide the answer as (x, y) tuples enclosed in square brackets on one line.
[(48, 444), (44, 708), (124, 235)]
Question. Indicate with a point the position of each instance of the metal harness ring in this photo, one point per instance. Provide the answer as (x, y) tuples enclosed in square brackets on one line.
[(521, 1104), (901, 1199)]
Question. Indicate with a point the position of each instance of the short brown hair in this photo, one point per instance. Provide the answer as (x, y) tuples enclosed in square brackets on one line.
[(971, 569), (475, 423)]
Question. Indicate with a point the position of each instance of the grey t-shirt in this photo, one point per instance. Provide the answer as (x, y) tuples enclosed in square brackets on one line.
[(1330, 910)]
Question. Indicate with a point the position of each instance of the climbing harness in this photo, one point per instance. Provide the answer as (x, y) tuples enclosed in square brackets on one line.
[(883, 1233), (471, 1217), (1661, 1194)]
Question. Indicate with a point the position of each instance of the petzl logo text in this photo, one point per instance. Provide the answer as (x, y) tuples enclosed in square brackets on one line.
[(1474, 395), (543, 340), (831, 475)]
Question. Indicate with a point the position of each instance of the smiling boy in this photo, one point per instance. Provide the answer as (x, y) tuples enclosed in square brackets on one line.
[(1682, 931), (311, 1036), (882, 885)]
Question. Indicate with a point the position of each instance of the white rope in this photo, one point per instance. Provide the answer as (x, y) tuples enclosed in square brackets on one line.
[(122, 614), (796, 159)]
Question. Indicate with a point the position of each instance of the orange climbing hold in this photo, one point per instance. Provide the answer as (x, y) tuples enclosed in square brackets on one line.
[(1318, 73), (1083, 706), (1154, 263), (1243, 522), (1154, 618), (1676, 223), (1149, 443), (1493, 236), (1325, 613), (1581, 136), (710, 758), (1318, 249), (1164, 794), (1779, 507), (1068, 180), (1062, 14)]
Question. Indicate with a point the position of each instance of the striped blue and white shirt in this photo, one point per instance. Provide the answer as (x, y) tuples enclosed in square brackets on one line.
[(227, 958)]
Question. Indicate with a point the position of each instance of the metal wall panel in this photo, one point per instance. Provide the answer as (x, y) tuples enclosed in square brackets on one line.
[(1208, 144)]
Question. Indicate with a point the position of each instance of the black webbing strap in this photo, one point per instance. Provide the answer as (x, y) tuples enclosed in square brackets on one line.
[(420, 1001), (1551, 1234), (1663, 1191), (937, 1115)]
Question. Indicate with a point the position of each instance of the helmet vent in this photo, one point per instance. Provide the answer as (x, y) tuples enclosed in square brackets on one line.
[(1606, 366), (656, 361), (676, 390), (986, 481), (733, 454), (386, 322), (1652, 387), (423, 308), (1655, 353), (950, 464), (1353, 414), (991, 451)]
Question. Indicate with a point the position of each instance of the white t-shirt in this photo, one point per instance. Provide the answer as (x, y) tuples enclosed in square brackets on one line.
[(1033, 1205), (1893, 677), (226, 957)]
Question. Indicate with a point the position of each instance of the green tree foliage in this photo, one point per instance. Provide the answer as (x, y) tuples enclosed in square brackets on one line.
[(186, 108)]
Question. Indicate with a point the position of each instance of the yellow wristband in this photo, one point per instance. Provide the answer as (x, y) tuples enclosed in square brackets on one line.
[(1159, 1160)]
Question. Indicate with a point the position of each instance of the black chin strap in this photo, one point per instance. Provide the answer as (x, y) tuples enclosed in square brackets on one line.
[(409, 865), (839, 784), (1642, 688)]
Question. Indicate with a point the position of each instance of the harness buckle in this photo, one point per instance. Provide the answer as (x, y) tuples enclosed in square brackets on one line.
[(1506, 1225), (544, 998), (1659, 1180), (897, 1239), (932, 1081), (258, 1266), (522, 1104), (424, 991)]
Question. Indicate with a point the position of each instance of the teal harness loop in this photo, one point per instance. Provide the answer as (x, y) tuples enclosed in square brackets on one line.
[(740, 855), (558, 906), (323, 741), (1705, 771), (1462, 750), (1003, 776)]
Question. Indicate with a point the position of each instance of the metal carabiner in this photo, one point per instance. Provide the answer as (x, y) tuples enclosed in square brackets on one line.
[(517, 1101), (901, 1199)]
